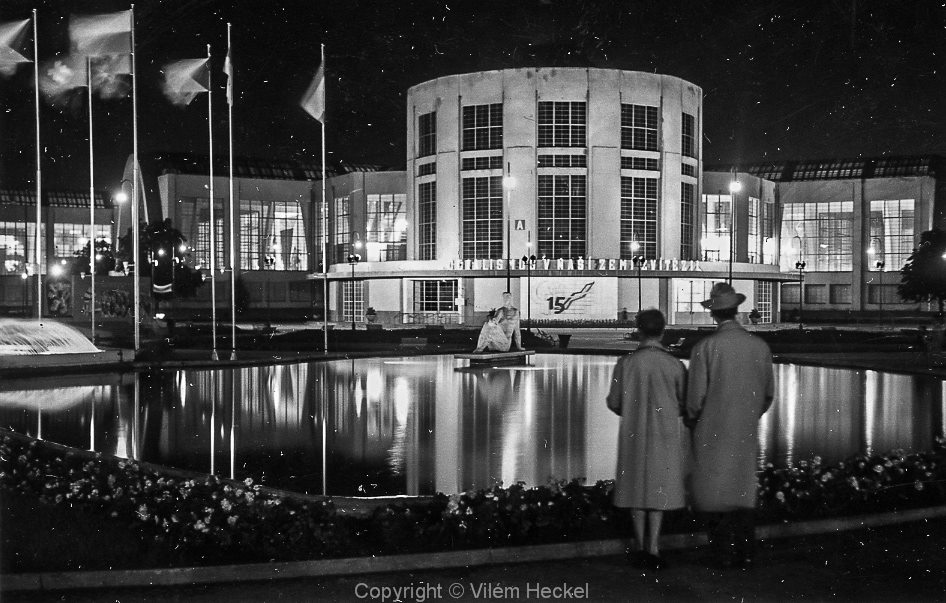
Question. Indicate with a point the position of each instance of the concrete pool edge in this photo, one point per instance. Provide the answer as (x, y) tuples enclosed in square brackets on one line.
[(57, 581)]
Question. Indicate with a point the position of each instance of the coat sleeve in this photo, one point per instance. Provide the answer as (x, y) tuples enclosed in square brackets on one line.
[(617, 388), (697, 384)]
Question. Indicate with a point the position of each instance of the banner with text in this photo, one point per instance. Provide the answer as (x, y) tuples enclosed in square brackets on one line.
[(572, 298)]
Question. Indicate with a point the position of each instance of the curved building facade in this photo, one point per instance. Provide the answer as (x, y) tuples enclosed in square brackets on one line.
[(596, 173), (596, 163)]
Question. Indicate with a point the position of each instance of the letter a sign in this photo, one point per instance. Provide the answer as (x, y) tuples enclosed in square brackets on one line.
[(520, 224)]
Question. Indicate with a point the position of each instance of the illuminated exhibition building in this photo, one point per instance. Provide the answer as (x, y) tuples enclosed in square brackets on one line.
[(596, 173)]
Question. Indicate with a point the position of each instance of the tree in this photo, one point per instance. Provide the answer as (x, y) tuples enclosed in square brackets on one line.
[(163, 257), (104, 259), (924, 274)]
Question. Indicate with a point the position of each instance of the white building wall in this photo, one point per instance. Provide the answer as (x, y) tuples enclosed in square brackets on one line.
[(519, 91)]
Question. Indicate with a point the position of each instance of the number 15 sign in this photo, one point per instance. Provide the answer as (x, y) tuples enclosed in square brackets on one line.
[(562, 298)]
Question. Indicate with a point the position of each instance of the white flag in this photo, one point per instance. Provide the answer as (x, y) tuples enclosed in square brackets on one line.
[(184, 80), (228, 69), (10, 38), (314, 100), (101, 35), (62, 75), (106, 39)]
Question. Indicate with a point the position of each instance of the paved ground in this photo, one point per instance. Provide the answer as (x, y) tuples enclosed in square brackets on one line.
[(894, 563)]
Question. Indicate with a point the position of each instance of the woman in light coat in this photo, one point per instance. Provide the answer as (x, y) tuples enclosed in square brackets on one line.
[(648, 392)]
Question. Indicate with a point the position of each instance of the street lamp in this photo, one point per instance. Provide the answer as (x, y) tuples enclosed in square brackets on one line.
[(879, 265), (509, 183), (353, 258), (119, 198), (800, 266), (639, 263), (734, 187), (528, 260)]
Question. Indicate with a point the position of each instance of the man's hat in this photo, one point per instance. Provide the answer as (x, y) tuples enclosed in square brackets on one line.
[(723, 296)]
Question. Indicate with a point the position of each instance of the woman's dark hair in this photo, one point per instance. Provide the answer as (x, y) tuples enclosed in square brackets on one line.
[(650, 323), (725, 313)]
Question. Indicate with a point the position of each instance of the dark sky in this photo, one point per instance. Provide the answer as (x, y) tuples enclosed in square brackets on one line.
[(781, 79)]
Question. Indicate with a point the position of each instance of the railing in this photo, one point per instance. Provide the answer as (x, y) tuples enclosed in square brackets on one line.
[(430, 318)]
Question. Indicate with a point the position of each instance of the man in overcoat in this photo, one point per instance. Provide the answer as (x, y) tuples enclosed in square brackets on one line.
[(729, 387)]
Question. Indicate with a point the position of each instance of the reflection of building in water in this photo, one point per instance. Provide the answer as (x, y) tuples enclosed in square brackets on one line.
[(417, 426), (834, 413), (381, 427), (898, 409), (524, 425)]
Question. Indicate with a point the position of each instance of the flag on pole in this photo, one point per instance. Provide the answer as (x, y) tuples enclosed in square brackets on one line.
[(62, 75), (228, 69), (185, 79), (106, 38), (101, 35), (11, 35), (314, 100)]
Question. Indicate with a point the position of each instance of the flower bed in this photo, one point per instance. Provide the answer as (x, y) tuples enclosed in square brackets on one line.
[(211, 520)]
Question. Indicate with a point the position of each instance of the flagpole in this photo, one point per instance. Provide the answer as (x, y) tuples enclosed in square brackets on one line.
[(324, 229), (135, 227), (213, 223), (39, 178), (233, 268), (88, 79)]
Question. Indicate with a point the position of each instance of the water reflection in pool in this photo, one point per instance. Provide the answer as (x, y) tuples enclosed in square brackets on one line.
[(418, 425)]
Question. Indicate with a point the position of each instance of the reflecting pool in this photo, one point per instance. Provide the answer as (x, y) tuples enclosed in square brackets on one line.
[(418, 425)]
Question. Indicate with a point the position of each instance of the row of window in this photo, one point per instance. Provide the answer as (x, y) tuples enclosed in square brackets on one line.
[(821, 235), (560, 124), (435, 296), (18, 240), (273, 234), (840, 294), (440, 297)]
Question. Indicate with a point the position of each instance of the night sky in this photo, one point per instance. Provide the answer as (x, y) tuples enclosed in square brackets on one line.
[(781, 80)]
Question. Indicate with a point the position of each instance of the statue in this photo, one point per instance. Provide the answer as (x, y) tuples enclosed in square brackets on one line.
[(501, 330), (492, 337), (510, 322)]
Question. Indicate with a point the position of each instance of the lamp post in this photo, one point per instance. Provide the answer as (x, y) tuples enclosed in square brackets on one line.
[(879, 266), (528, 262), (639, 263), (734, 187), (353, 258), (800, 266), (119, 199), (509, 183)]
